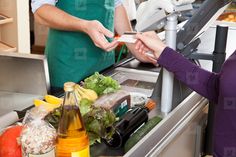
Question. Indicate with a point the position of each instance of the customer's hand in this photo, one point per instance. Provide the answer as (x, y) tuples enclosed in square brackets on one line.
[(150, 40), (140, 55), (98, 33)]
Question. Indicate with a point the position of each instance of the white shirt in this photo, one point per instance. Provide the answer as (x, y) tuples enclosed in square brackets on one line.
[(130, 7), (35, 4)]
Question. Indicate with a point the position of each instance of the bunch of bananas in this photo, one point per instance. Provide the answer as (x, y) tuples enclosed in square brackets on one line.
[(51, 102), (83, 93)]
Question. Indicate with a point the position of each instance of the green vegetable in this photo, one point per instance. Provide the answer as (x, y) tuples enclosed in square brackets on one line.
[(85, 106), (99, 124), (140, 133), (54, 117), (101, 84), (98, 121)]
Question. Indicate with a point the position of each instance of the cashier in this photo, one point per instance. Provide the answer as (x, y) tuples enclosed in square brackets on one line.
[(80, 37), (217, 87)]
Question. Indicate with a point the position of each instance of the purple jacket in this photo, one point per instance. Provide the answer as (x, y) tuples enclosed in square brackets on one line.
[(217, 87)]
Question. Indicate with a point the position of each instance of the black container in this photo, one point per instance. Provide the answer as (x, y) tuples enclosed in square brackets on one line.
[(130, 122)]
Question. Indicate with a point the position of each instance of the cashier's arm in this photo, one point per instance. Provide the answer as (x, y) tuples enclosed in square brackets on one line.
[(53, 17), (122, 24)]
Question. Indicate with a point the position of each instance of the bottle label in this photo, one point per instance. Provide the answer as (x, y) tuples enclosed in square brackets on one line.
[(82, 153), (48, 154), (121, 109)]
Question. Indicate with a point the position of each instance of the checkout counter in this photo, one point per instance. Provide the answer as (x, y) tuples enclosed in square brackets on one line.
[(181, 131)]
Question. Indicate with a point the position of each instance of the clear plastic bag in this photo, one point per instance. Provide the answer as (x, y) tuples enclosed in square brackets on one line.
[(119, 102), (37, 137), (35, 113)]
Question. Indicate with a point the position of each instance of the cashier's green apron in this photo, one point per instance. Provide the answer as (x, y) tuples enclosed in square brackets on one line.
[(72, 56)]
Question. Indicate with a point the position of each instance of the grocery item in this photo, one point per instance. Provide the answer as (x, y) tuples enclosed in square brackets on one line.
[(101, 84), (83, 93), (99, 124), (85, 106), (72, 138), (54, 117), (119, 102), (38, 139), (138, 98), (128, 124), (141, 132), (98, 121), (9, 146), (35, 114), (53, 100), (48, 106), (38, 102)]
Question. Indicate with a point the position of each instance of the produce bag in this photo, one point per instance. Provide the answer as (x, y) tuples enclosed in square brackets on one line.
[(38, 137)]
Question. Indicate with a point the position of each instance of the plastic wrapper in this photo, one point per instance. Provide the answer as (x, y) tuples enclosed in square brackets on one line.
[(37, 138), (118, 102), (35, 113)]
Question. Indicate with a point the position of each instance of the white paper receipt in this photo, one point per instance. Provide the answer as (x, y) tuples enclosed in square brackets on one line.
[(128, 37)]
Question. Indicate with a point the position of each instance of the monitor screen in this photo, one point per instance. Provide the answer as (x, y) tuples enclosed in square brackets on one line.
[(207, 14)]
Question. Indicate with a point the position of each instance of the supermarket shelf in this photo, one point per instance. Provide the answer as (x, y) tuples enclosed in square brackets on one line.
[(4, 19), (6, 48)]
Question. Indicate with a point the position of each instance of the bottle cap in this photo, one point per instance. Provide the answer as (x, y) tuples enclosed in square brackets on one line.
[(69, 86), (151, 104)]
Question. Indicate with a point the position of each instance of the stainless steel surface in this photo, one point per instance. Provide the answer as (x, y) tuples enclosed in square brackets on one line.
[(200, 132), (8, 119), (168, 77), (161, 135), (22, 73), (184, 143), (10, 101), (23, 78), (123, 74)]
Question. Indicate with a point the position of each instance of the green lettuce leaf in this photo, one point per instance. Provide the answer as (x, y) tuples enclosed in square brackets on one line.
[(101, 84)]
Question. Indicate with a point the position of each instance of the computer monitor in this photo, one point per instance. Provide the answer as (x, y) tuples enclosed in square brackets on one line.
[(204, 17)]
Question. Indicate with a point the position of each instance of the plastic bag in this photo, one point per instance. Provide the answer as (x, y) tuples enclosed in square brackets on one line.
[(38, 137), (118, 102)]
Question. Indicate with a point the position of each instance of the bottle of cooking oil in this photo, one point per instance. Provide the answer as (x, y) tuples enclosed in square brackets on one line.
[(72, 138)]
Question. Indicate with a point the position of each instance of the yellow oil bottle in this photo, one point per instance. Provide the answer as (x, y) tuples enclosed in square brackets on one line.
[(72, 138)]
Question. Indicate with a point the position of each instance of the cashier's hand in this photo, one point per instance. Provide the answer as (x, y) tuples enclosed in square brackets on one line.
[(98, 33), (150, 40)]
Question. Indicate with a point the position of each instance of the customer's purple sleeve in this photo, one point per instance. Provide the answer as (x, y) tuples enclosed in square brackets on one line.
[(203, 82)]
